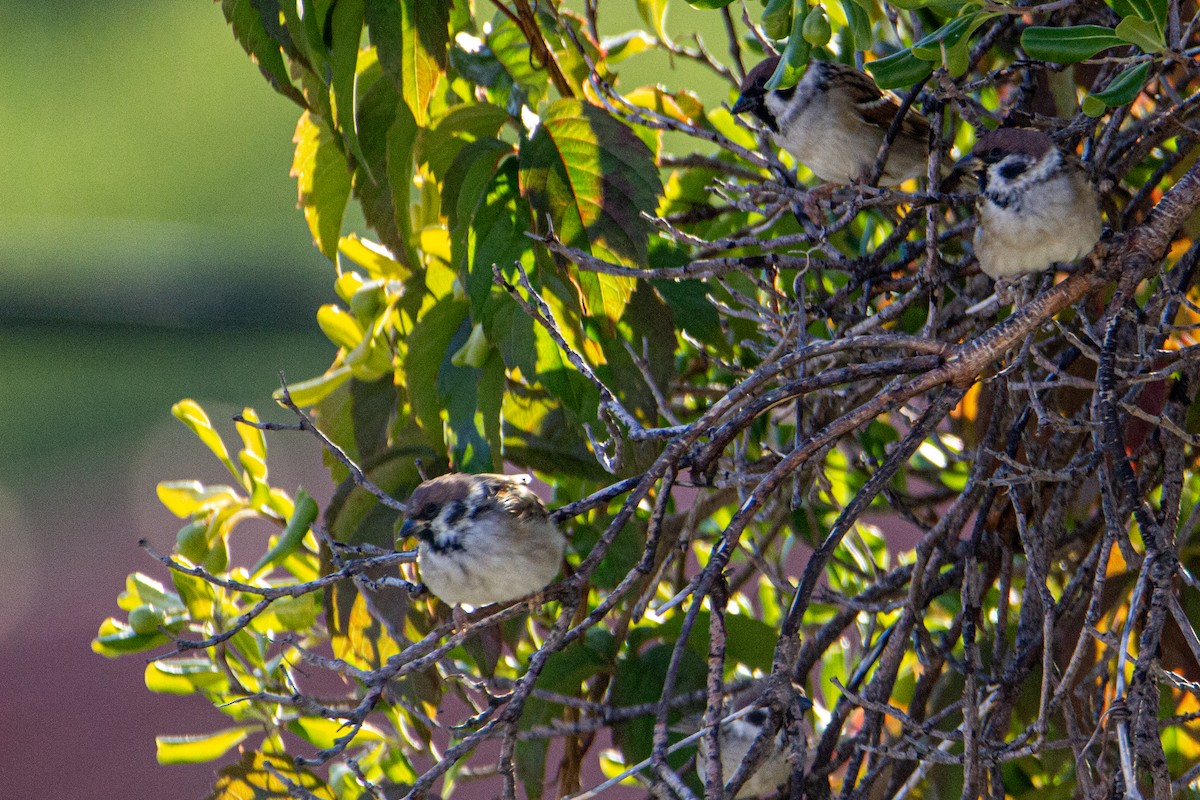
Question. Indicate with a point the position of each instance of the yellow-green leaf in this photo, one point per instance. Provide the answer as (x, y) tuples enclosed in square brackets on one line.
[(183, 498), (192, 415), (198, 748), (323, 179)]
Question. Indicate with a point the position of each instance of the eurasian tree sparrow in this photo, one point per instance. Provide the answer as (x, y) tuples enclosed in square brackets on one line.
[(737, 736), (483, 538), (834, 120), (1035, 205)]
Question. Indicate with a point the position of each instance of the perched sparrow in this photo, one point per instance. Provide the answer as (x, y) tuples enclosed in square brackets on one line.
[(1035, 204), (737, 736), (484, 538), (834, 120)]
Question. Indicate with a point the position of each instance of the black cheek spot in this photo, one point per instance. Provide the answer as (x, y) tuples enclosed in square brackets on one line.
[(1011, 170), (455, 511), (757, 717)]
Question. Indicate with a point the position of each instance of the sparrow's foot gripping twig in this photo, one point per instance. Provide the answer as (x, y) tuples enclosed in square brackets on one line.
[(1007, 290), (459, 618)]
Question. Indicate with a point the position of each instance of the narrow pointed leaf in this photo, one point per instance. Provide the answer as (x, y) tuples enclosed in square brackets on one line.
[(198, 748)]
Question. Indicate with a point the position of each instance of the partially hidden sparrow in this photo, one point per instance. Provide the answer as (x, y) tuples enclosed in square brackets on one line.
[(1035, 207), (483, 538), (834, 120), (736, 737)]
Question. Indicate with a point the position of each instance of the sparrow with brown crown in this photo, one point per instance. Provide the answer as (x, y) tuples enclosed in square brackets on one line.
[(483, 538), (834, 121), (1036, 206)]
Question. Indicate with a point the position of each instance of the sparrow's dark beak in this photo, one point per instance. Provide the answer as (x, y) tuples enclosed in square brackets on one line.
[(968, 163), (743, 104), (407, 530)]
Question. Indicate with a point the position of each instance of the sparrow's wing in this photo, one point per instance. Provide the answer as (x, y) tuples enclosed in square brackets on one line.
[(877, 107), (512, 493)]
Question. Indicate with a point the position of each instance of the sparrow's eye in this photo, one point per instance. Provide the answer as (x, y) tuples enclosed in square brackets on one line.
[(1012, 169), (993, 154), (428, 511)]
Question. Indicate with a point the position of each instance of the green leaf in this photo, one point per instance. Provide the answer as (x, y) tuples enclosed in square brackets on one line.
[(1146, 35), (913, 5), (377, 112), (312, 391), (1121, 90), (400, 148), (346, 26), (198, 748), (115, 638), (1153, 11), (593, 178), (322, 733), (323, 177), (794, 58), (466, 185), (471, 398), (639, 679), (303, 516), (654, 14), (428, 345), (497, 236), (708, 4), (693, 311), (950, 35), (424, 37), (1068, 45), (860, 25), (777, 18), (899, 70), (385, 20), (192, 415), (256, 27), (185, 676), (184, 498)]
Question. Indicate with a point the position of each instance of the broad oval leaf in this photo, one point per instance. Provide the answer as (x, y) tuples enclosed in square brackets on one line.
[(1068, 45), (1146, 35), (323, 179), (592, 177)]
